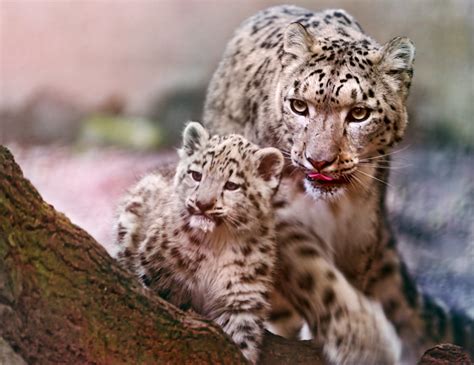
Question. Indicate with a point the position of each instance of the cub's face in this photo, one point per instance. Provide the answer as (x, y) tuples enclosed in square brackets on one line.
[(225, 180), (343, 105)]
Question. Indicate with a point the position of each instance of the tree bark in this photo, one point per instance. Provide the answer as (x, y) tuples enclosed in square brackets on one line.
[(64, 300)]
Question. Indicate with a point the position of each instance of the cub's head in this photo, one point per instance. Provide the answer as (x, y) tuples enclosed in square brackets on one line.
[(226, 180), (342, 105)]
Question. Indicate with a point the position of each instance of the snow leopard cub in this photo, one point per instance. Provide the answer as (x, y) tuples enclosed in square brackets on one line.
[(205, 240)]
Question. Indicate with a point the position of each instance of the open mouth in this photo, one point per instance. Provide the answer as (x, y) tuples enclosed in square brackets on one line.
[(317, 178)]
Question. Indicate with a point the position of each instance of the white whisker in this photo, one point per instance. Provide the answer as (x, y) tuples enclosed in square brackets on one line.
[(360, 183), (373, 177), (384, 167), (388, 154)]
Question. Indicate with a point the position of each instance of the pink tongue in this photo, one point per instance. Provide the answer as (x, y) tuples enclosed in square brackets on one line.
[(318, 176)]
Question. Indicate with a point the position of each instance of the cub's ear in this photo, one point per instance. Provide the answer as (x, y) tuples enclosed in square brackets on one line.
[(297, 40), (194, 138), (397, 58), (270, 163)]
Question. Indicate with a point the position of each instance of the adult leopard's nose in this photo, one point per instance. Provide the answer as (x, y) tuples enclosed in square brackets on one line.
[(320, 165)]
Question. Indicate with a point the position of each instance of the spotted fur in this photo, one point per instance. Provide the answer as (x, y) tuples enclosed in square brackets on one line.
[(333, 101), (206, 240)]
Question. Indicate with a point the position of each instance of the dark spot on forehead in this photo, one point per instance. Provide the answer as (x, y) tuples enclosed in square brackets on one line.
[(354, 94)]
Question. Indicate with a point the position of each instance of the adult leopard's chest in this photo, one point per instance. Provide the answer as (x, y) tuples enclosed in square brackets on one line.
[(345, 231)]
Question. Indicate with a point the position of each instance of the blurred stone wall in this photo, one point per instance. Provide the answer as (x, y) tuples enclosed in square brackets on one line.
[(156, 57)]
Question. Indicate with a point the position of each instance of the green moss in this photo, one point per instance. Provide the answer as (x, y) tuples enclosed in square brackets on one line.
[(120, 131)]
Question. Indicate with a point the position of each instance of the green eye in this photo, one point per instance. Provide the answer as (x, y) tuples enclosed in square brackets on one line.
[(231, 186), (358, 114), (298, 107)]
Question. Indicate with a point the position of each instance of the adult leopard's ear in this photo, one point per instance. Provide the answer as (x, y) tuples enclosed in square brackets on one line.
[(194, 138), (396, 59), (270, 163), (297, 40)]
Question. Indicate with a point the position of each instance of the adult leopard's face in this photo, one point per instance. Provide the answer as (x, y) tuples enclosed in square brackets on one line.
[(342, 104), (225, 181)]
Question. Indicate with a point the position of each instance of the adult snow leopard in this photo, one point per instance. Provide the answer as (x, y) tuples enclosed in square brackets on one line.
[(333, 100)]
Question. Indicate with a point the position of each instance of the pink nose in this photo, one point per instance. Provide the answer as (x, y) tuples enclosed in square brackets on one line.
[(319, 165)]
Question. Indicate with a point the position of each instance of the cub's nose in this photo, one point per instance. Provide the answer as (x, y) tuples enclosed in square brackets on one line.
[(205, 205), (319, 165)]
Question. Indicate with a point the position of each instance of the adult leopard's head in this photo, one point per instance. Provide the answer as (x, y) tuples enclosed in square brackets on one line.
[(342, 102)]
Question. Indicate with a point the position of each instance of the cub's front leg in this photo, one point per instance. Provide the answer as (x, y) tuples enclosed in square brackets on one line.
[(351, 328), (243, 308), (246, 330)]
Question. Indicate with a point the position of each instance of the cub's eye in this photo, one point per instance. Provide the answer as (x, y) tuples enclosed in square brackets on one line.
[(358, 114), (231, 186), (298, 107), (197, 176)]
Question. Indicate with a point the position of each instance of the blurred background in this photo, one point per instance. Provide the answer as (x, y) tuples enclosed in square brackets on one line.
[(94, 93)]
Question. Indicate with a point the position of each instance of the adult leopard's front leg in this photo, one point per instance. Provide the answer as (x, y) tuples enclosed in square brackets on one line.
[(420, 320), (351, 328), (284, 320)]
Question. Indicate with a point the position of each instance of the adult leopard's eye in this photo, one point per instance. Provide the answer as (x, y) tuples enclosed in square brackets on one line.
[(298, 107), (231, 186), (358, 114), (197, 176)]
